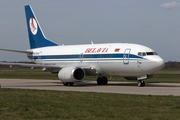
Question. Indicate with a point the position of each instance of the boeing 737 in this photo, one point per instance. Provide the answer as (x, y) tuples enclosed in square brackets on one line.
[(72, 63)]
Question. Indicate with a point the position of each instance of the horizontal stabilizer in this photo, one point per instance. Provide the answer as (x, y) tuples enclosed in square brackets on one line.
[(28, 65), (18, 51)]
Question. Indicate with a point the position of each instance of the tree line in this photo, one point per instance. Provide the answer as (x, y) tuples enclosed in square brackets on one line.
[(172, 65)]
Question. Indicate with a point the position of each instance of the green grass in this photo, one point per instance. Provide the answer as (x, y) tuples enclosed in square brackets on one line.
[(26, 73), (52, 105)]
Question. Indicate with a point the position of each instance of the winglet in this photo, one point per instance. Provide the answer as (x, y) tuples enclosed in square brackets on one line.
[(37, 38)]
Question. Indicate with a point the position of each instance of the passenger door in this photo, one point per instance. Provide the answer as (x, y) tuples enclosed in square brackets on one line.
[(126, 56)]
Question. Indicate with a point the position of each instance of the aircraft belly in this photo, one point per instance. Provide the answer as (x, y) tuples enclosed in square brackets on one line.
[(121, 69)]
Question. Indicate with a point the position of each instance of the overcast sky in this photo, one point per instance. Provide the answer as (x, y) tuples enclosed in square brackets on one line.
[(153, 23)]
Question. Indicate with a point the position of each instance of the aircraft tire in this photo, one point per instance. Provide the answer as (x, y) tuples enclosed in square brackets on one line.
[(102, 80), (68, 83), (71, 84), (105, 80), (99, 81), (141, 83), (65, 83)]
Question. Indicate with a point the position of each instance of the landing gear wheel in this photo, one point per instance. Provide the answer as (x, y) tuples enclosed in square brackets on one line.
[(105, 80), (99, 81), (71, 84), (68, 83), (102, 80), (65, 83), (141, 83)]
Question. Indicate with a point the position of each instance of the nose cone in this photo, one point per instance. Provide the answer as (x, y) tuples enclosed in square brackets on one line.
[(158, 62)]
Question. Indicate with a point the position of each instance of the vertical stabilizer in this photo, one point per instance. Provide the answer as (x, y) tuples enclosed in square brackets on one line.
[(36, 36)]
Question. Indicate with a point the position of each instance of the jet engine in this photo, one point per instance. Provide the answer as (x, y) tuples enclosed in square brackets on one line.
[(71, 74)]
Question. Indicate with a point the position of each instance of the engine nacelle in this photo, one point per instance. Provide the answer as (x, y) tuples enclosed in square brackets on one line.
[(71, 74)]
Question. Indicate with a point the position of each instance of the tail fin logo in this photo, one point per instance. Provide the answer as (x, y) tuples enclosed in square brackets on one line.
[(33, 26)]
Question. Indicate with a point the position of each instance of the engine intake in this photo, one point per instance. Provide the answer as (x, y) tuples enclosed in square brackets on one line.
[(71, 74)]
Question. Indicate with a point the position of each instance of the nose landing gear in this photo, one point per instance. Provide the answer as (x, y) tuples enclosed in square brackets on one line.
[(141, 83)]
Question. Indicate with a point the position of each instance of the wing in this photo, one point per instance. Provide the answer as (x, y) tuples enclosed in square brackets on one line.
[(50, 68)]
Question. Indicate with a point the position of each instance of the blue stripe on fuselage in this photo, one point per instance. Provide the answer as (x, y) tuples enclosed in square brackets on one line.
[(86, 56)]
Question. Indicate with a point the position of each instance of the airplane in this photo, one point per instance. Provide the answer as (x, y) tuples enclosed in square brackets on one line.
[(72, 63)]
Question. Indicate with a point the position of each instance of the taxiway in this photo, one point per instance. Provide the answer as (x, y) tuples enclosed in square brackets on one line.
[(91, 86)]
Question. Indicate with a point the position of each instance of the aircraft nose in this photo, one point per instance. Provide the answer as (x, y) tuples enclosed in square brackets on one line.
[(160, 63)]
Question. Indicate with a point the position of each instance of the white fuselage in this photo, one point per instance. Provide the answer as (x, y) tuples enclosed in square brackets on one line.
[(121, 59)]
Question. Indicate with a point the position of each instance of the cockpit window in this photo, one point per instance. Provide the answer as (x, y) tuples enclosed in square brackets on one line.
[(141, 53), (146, 53), (151, 53)]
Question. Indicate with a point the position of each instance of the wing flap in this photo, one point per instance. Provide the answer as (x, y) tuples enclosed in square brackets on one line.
[(51, 68)]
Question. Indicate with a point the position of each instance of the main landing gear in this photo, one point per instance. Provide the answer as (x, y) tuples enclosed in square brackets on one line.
[(68, 83), (141, 83), (102, 80)]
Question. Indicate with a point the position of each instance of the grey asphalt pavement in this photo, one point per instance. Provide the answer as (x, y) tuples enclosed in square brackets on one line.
[(91, 86)]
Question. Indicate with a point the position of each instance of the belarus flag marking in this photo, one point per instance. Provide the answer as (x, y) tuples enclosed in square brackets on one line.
[(117, 50)]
